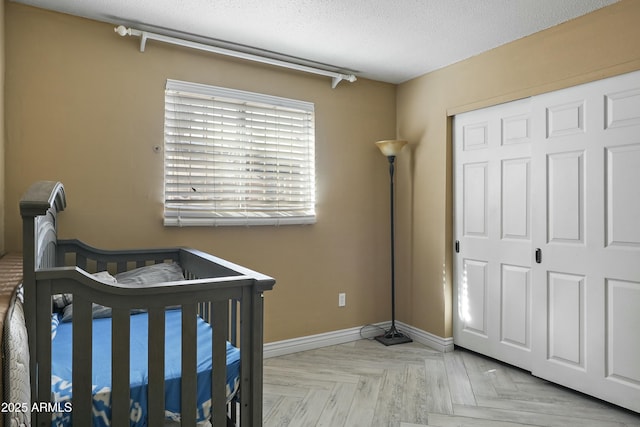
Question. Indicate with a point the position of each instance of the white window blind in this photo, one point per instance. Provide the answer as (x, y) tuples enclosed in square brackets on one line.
[(237, 158)]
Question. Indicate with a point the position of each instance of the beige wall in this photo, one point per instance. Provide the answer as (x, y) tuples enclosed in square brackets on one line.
[(85, 107), (2, 133), (601, 44)]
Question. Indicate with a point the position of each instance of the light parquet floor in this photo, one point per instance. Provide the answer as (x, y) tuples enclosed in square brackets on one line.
[(364, 383)]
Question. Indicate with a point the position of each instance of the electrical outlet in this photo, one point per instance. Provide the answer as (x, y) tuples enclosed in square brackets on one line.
[(342, 299)]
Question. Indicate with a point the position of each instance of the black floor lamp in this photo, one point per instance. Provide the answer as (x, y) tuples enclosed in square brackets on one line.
[(391, 148)]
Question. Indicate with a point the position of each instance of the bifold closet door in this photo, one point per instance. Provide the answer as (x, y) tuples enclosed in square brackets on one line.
[(547, 216), (492, 305), (586, 202)]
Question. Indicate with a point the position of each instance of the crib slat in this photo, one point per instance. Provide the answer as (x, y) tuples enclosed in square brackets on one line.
[(156, 366), (43, 349), (120, 339), (81, 261), (81, 365), (204, 311), (257, 336), (219, 358), (246, 341), (233, 338), (189, 358)]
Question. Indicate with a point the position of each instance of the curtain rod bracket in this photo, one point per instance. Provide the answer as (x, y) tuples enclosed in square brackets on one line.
[(337, 79), (144, 36), (143, 41)]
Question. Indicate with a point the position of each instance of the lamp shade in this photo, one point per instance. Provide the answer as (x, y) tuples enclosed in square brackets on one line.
[(391, 147)]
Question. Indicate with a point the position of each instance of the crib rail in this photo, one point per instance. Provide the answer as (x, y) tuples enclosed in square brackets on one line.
[(196, 265), (228, 296)]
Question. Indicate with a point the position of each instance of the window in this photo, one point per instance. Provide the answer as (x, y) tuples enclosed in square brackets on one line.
[(237, 158)]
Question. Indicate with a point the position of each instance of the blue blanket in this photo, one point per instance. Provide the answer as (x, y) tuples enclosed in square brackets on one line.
[(101, 369)]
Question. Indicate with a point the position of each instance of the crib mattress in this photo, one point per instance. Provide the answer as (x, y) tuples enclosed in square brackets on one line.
[(101, 369)]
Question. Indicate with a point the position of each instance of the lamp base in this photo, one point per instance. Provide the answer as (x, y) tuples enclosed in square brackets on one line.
[(393, 337)]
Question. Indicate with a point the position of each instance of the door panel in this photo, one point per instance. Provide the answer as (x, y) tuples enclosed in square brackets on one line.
[(516, 195), (565, 119), (623, 342), (475, 199), (474, 301), (623, 108), (516, 306), (493, 199), (565, 197), (565, 319), (623, 209), (516, 129)]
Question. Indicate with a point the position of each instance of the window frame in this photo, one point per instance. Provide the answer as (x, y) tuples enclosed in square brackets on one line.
[(269, 171)]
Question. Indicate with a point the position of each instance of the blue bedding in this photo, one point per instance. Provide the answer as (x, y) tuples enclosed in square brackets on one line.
[(101, 370)]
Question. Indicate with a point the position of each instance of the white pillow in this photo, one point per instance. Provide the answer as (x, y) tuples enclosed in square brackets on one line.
[(156, 273)]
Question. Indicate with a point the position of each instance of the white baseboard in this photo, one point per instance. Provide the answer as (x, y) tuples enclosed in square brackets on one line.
[(311, 342), (435, 342)]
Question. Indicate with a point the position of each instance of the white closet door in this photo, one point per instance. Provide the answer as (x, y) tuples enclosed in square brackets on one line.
[(547, 215), (586, 288), (493, 223)]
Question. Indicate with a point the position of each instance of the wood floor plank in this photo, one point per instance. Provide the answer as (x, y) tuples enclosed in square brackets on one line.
[(416, 395), (316, 377), (530, 418), (459, 384), (282, 413), (438, 394), (310, 409), (559, 395), (274, 387), (269, 402), (330, 365), (442, 420), (477, 371), (389, 406), (595, 412), (336, 410), (364, 402)]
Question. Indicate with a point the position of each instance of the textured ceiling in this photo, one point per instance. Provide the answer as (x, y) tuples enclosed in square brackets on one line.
[(386, 40)]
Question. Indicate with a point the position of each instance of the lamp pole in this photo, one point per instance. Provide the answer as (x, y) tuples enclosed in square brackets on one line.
[(392, 336)]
